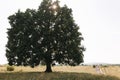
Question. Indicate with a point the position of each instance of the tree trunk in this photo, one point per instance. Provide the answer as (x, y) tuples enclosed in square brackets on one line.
[(48, 67)]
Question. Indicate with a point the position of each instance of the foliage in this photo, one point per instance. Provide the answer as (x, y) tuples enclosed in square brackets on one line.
[(10, 68), (54, 76), (105, 65), (44, 35)]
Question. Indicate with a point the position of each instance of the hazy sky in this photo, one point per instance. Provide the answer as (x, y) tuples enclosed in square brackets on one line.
[(99, 22)]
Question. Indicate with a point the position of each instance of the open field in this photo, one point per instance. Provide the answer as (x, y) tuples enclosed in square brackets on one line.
[(53, 76), (73, 73)]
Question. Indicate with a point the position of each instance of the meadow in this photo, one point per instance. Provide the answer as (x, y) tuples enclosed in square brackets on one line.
[(60, 73)]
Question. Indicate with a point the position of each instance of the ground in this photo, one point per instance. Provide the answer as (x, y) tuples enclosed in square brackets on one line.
[(109, 70)]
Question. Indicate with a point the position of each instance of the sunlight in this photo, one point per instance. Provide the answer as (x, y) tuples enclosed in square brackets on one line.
[(54, 6)]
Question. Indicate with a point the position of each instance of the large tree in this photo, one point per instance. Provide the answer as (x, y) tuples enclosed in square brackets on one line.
[(48, 34)]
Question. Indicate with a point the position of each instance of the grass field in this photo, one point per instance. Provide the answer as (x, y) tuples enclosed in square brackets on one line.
[(60, 73)]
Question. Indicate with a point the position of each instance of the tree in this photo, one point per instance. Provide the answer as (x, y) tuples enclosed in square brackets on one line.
[(48, 35)]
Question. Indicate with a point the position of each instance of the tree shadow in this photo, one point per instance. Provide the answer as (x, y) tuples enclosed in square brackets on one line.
[(53, 76)]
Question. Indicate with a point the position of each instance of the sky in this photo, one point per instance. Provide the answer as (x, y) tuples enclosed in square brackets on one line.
[(99, 22)]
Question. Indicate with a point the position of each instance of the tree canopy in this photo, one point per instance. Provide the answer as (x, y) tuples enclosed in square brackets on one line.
[(48, 34)]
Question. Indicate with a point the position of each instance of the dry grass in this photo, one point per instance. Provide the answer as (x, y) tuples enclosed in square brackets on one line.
[(110, 70), (53, 76)]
